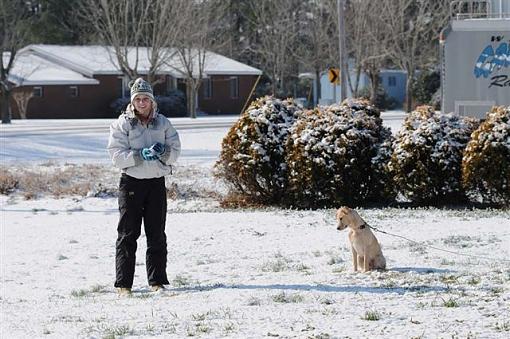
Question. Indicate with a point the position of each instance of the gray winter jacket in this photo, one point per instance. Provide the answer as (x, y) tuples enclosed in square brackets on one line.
[(128, 136)]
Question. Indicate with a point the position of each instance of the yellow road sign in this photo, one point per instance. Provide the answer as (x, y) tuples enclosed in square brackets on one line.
[(334, 75)]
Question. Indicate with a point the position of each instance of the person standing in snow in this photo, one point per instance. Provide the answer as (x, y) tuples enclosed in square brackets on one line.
[(143, 145)]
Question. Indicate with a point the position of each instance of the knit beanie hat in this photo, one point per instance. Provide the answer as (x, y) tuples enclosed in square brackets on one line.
[(140, 86)]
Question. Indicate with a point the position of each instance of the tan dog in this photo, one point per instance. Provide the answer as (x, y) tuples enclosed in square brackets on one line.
[(366, 251)]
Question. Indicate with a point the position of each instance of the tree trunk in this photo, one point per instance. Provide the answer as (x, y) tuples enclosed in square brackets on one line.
[(318, 87), (374, 84), (409, 92), (5, 108), (191, 95)]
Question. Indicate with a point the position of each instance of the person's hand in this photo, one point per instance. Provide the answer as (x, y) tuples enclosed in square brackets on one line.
[(158, 149), (148, 154)]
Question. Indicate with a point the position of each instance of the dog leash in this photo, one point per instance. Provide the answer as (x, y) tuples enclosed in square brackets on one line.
[(433, 247)]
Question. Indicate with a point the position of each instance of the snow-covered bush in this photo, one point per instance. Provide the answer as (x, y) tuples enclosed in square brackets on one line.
[(173, 104), (427, 158), (486, 161), (252, 159), (335, 157)]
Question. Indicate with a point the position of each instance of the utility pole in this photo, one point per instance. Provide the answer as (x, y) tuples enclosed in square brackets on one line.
[(341, 48)]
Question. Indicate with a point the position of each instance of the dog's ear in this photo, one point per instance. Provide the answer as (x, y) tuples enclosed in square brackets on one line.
[(345, 209)]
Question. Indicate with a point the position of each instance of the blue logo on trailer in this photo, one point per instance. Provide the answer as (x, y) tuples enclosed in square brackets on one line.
[(491, 60)]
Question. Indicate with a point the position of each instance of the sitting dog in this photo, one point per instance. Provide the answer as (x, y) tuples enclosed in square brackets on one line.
[(366, 251)]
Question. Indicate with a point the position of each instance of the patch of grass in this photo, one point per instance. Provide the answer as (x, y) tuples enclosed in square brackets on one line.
[(320, 336), (474, 281), (59, 181), (287, 298), (181, 281), (8, 182), (446, 262), (198, 317), (449, 279), (450, 303), (278, 265), (328, 311), (333, 260), (338, 270), (79, 293), (116, 331), (421, 305), (303, 268), (460, 241), (496, 290), (62, 257), (417, 248), (198, 329), (327, 301), (371, 315), (253, 301), (503, 327), (389, 284), (229, 327), (98, 288), (144, 295)]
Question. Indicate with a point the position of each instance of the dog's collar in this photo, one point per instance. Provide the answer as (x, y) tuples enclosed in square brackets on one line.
[(362, 226)]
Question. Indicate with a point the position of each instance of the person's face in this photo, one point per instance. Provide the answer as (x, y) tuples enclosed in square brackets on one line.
[(143, 104)]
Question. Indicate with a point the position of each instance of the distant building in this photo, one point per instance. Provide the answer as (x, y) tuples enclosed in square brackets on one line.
[(82, 81), (475, 58), (393, 82)]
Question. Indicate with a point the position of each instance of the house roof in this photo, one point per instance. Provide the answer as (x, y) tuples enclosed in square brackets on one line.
[(101, 60), (30, 70)]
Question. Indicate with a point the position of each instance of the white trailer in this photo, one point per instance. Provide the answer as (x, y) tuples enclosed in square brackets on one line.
[(475, 57)]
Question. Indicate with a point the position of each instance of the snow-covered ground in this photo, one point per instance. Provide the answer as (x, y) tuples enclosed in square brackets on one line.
[(239, 273)]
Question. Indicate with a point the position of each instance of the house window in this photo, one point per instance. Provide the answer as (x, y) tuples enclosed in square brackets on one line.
[(207, 88), (73, 91), (392, 81), (123, 90), (170, 84), (38, 91), (234, 87)]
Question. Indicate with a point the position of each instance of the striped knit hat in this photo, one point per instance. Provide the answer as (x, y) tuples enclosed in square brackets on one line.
[(140, 86)]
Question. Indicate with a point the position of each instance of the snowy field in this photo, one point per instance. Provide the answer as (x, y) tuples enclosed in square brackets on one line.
[(256, 273)]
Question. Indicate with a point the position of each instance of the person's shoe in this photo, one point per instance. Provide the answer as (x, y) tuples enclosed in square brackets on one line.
[(155, 288), (124, 291)]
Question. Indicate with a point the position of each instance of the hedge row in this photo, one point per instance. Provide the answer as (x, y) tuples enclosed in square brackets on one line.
[(280, 154)]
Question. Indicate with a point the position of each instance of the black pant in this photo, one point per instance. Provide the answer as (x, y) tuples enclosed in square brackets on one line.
[(141, 198)]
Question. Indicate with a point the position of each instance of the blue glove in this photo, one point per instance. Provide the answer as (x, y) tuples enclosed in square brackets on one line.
[(148, 154), (158, 149)]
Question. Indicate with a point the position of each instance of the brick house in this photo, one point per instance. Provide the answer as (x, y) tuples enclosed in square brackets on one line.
[(82, 81)]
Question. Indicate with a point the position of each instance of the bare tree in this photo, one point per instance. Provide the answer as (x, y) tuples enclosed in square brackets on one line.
[(120, 25), (198, 24), (367, 42), (413, 27), (136, 31), (274, 24), (13, 35), (317, 46), (22, 96), (165, 25)]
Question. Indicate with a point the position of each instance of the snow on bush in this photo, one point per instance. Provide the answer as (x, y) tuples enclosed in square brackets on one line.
[(252, 159), (486, 161), (335, 156), (427, 158)]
